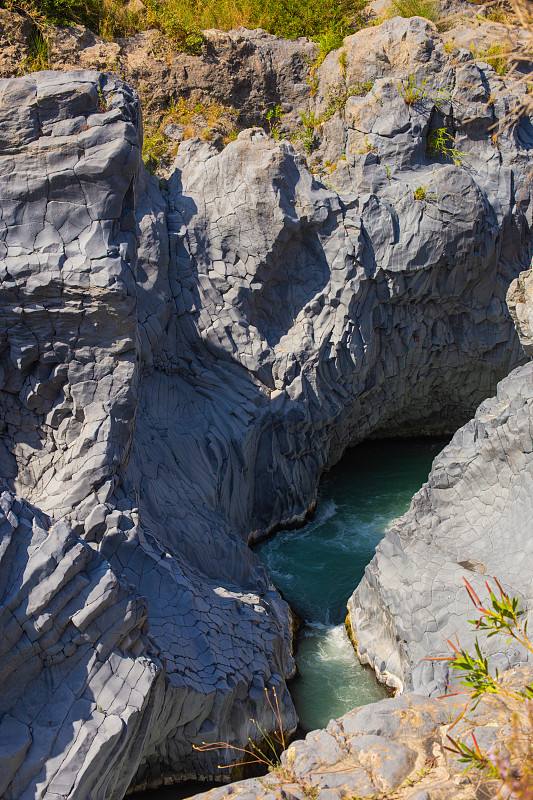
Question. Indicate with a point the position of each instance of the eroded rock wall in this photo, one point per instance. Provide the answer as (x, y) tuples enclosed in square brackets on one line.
[(470, 521), (71, 346), (78, 680), (180, 363)]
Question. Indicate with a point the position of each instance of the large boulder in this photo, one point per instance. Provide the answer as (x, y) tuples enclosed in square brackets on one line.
[(471, 520)]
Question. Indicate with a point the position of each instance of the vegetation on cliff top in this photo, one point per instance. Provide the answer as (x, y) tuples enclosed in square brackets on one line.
[(183, 20)]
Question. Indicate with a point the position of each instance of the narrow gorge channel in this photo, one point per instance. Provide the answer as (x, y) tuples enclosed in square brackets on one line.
[(317, 568)]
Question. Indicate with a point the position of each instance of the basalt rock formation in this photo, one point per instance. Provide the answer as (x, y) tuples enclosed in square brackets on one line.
[(470, 520), (181, 362), (395, 748)]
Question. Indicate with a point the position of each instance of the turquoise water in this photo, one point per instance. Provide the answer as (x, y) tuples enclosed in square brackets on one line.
[(318, 567)]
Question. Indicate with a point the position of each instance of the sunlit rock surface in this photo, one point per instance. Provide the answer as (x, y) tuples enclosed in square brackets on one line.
[(471, 521), (395, 748), (180, 363), (77, 679), (71, 343)]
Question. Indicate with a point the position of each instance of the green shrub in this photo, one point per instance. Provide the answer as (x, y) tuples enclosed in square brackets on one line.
[(510, 761), (273, 117), (440, 142), (330, 40), (421, 193), (414, 8), (183, 20), (59, 12)]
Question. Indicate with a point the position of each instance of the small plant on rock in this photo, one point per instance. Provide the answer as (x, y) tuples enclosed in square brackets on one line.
[(37, 58), (440, 142), (511, 762), (498, 13), (154, 148), (309, 122), (361, 88), (421, 193), (267, 752), (410, 92), (343, 62), (273, 116), (496, 56), (368, 147)]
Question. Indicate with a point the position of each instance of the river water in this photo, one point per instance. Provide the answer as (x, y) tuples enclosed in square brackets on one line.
[(317, 568)]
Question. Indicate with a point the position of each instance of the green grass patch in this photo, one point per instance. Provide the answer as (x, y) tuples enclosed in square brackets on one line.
[(414, 8), (183, 20), (496, 56)]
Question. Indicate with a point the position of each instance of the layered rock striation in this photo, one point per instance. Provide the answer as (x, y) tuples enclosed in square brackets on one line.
[(72, 327), (80, 691), (180, 362)]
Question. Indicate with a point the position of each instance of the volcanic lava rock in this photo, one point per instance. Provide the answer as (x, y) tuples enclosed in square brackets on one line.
[(181, 362)]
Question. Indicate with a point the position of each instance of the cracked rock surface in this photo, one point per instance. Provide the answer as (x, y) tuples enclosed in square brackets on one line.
[(394, 748), (471, 520), (180, 363), (77, 679)]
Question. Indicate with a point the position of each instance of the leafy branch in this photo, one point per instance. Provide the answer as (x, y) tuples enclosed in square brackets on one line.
[(513, 763)]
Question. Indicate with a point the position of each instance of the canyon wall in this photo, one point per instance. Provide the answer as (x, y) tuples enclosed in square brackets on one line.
[(181, 361), (472, 521)]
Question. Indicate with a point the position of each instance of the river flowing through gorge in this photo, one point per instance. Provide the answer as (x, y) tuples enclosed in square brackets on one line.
[(318, 566)]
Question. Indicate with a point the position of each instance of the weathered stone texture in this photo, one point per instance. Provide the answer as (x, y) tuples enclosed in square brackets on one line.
[(471, 520), (179, 365), (252, 71), (74, 329), (394, 748), (520, 303), (77, 681)]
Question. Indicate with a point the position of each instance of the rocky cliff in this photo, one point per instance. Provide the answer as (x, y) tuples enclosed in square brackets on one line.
[(181, 362), (470, 520), (397, 748)]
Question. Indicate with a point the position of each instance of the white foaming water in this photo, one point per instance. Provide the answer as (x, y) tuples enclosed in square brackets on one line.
[(317, 568), (331, 679)]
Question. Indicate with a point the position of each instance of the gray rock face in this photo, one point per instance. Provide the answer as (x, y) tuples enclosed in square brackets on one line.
[(71, 346), (179, 366), (395, 748), (471, 520), (77, 680)]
